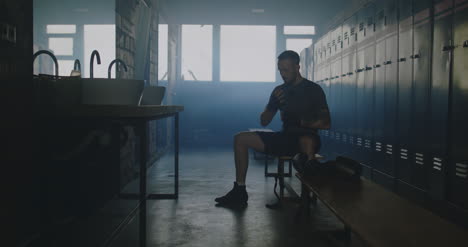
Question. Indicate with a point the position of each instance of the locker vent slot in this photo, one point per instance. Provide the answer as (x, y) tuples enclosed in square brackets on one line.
[(437, 163), (389, 149), (344, 138), (338, 136), (359, 141), (461, 170), (333, 43), (361, 26), (351, 140), (346, 35), (404, 154), (378, 146), (368, 144), (339, 39)]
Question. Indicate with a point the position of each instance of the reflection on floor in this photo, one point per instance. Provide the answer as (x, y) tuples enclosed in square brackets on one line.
[(193, 219)]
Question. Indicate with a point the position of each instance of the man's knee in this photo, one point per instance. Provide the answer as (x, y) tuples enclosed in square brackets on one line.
[(244, 138)]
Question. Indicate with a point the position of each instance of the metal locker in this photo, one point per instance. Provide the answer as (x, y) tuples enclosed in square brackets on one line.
[(391, 87), (352, 80), (361, 101), (405, 88), (458, 171), (438, 122), (335, 75), (421, 56), (379, 93), (369, 61)]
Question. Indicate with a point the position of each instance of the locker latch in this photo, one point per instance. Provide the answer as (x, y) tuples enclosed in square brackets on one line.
[(359, 70), (343, 75), (415, 56), (368, 68), (402, 59), (387, 62), (377, 66), (465, 43), (448, 48)]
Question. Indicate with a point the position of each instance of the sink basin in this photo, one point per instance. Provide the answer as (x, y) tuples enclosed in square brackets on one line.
[(153, 95), (97, 91)]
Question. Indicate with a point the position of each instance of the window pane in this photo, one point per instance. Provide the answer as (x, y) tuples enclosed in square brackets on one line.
[(248, 53), (61, 29), (298, 45), (197, 50), (61, 46), (65, 67), (102, 39), (299, 30), (162, 52)]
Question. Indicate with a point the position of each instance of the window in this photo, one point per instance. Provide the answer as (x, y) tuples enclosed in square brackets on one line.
[(298, 45), (61, 46), (61, 43), (102, 39), (197, 52), (299, 30), (61, 29), (248, 53), (163, 51)]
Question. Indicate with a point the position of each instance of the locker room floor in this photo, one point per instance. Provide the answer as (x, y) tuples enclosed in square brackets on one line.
[(193, 219)]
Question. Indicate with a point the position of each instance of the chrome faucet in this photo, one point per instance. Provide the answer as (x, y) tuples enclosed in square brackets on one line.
[(77, 65), (117, 63), (51, 55), (91, 64)]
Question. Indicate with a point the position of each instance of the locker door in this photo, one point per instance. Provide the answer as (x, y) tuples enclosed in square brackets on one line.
[(391, 89), (369, 61), (441, 56), (405, 88), (458, 172), (379, 95), (360, 86), (421, 57)]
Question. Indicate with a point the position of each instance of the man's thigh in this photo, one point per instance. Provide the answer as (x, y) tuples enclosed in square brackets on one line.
[(252, 140)]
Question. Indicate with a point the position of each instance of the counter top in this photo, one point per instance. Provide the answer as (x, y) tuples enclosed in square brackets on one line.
[(110, 111)]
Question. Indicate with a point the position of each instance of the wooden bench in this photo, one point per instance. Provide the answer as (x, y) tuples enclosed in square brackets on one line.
[(279, 178), (377, 216)]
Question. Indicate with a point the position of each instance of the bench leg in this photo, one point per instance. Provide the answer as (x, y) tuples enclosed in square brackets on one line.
[(281, 177), (305, 200)]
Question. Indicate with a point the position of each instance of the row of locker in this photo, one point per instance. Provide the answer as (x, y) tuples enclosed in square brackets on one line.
[(395, 78)]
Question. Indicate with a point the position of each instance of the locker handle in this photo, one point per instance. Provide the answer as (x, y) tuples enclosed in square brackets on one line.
[(359, 70), (377, 66), (416, 56), (336, 77), (387, 62), (368, 68), (402, 59), (448, 48), (465, 44), (350, 73), (343, 75), (326, 79)]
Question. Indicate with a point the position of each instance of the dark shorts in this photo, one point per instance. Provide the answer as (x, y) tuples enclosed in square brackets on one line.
[(282, 143)]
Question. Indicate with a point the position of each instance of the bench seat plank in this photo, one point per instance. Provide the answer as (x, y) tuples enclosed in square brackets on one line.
[(380, 217)]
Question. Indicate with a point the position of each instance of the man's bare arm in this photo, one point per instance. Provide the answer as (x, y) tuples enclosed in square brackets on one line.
[(266, 117)]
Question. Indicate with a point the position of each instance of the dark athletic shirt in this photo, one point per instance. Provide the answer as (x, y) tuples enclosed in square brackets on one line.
[(305, 100)]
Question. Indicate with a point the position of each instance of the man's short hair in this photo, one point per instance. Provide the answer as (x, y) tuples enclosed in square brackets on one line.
[(290, 55)]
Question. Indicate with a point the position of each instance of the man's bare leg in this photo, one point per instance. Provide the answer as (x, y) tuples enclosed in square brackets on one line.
[(308, 146), (242, 142)]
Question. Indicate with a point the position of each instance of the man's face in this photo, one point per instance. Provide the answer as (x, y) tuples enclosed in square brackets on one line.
[(288, 70)]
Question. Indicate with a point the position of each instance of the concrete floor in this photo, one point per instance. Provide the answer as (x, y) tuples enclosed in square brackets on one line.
[(193, 219)]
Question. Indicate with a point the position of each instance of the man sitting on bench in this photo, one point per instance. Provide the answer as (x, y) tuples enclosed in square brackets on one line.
[(303, 109)]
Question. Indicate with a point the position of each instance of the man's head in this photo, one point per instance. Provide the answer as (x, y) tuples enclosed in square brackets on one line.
[(288, 66)]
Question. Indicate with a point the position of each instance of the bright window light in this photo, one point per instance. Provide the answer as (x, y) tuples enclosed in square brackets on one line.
[(299, 30), (163, 51), (65, 67), (298, 45), (102, 39), (61, 46), (197, 52), (248, 53), (61, 29)]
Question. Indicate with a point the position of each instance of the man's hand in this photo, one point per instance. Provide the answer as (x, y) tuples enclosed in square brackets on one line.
[(323, 121), (279, 97)]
